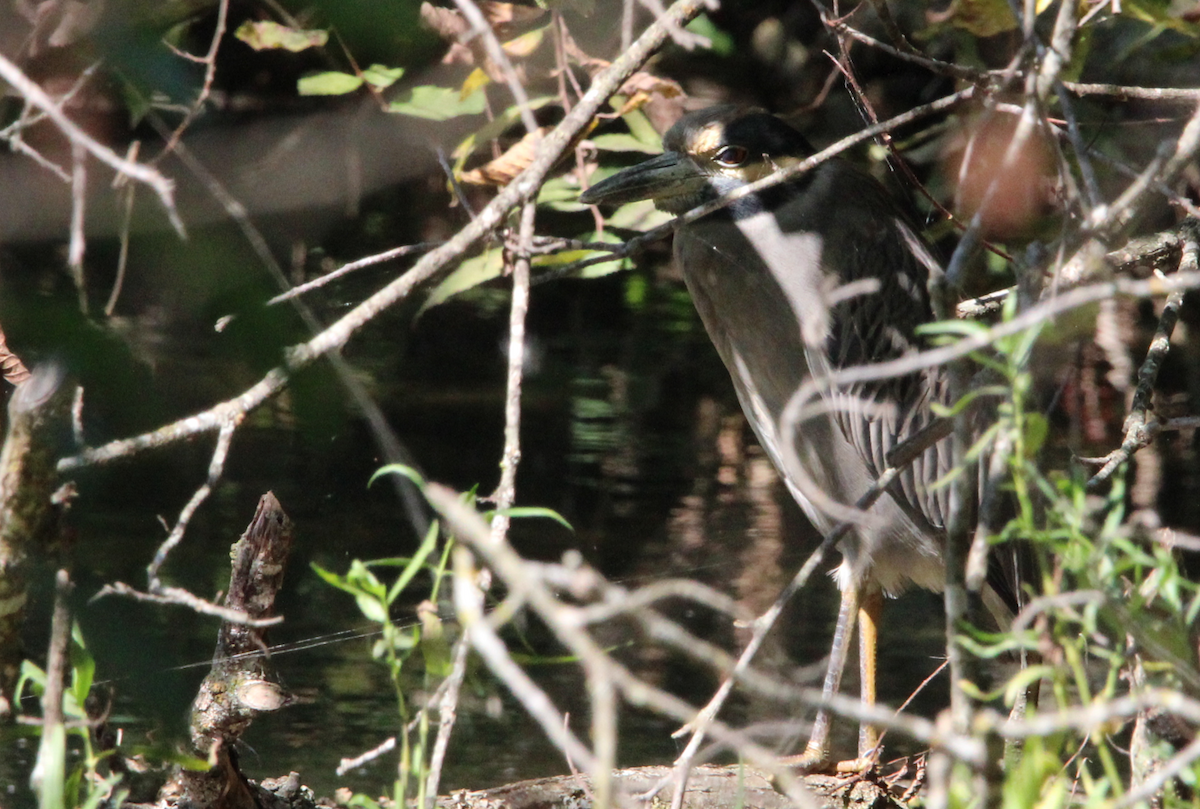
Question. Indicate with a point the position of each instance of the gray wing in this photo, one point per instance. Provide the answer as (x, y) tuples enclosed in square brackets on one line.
[(880, 325)]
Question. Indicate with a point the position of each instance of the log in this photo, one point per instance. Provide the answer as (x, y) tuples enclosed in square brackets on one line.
[(709, 787)]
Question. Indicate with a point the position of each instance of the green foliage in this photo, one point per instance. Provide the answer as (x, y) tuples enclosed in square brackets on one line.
[(493, 130), (328, 83), (469, 274), (58, 784), (438, 103), (720, 42), (401, 645), (398, 641), (1111, 610), (335, 82), (267, 35)]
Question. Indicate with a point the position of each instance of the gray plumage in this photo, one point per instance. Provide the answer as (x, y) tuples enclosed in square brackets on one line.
[(810, 276), (777, 280)]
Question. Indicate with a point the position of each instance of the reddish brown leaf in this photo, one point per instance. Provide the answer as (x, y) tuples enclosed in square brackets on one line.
[(14, 370)]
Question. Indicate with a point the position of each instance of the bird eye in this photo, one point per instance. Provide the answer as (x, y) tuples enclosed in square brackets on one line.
[(731, 156)]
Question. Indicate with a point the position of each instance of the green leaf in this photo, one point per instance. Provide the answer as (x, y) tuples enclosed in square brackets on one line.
[(361, 801), (371, 608), (719, 42), (399, 641), (494, 129), (329, 83), (363, 580), (167, 755), (83, 670), (1164, 15), (1037, 427), (415, 564), (437, 103), (958, 328), (266, 35), (103, 791), (49, 774), (561, 194), (641, 129), (520, 512), (986, 18), (484, 267), (1023, 679), (434, 646), (359, 581), (582, 7), (398, 469), (382, 76), (523, 46), (598, 270), (329, 577), (31, 673), (623, 142)]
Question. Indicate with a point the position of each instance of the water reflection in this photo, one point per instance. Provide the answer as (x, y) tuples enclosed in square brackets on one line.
[(631, 432)]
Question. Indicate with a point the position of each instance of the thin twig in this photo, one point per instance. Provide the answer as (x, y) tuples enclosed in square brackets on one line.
[(35, 95), (78, 243), (1091, 187), (981, 78), (599, 667), (904, 454), (480, 28), (468, 601), (804, 403), (524, 187), (447, 714), (389, 443), (349, 267), (28, 118), (783, 175), (209, 60), (1148, 790), (1124, 92), (122, 185), (216, 467), (179, 597), (505, 493), (1106, 223), (1139, 427), (348, 764)]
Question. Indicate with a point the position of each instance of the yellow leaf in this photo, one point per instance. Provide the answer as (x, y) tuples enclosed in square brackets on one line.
[(525, 44), (473, 82)]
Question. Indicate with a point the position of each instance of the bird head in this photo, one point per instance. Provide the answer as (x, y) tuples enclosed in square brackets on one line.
[(706, 154)]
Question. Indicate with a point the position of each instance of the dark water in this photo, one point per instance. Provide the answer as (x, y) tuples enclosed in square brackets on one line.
[(630, 431)]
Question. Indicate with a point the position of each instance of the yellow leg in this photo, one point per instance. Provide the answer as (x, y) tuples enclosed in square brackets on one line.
[(868, 643)]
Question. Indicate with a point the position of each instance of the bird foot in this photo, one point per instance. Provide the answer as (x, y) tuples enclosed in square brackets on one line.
[(857, 766), (816, 762)]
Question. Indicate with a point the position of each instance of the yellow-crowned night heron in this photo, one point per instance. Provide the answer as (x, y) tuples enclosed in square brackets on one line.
[(811, 276)]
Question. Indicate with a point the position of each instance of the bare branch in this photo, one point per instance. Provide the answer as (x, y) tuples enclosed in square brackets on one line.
[(35, 95), (1140, 429), (523, 188), (480, 28)]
